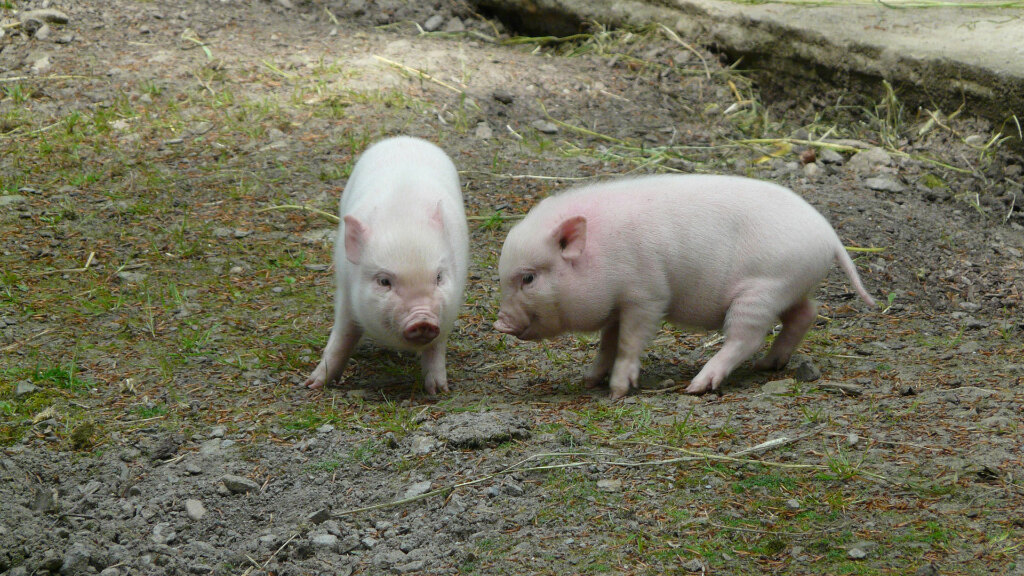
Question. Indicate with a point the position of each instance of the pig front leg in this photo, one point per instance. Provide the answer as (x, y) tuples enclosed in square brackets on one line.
[(340, 345), (605, 359), (636, 327), (433, 364)]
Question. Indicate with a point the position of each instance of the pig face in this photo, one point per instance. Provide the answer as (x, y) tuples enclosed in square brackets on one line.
[(533, 270), (401, 280)]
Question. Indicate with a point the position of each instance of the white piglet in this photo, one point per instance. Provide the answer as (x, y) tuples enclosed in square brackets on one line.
[(400, 258), (700, 251)]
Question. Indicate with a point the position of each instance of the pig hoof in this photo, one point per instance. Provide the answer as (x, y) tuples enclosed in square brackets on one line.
[(773, 364)]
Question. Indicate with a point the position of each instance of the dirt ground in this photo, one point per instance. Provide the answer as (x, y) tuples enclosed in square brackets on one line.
[(165, 289)]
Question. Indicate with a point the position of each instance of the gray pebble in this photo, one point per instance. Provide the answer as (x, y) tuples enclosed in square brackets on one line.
[(239, 484), (433, 23), (417, 489), (793, 504), (325, 542), (778, 386), (76, 559), (869, 161), (131, 277), (11, 199), (195, 509), (857, 554), (805, 370), (694, 565), (503, 96), (483, 131), (829, 156), (545, 127), (422, 445), (25, 387), (884, 184)]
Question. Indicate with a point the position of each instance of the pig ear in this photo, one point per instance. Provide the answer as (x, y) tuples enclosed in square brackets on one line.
[(571, 236), (355, 239), (437, 218)]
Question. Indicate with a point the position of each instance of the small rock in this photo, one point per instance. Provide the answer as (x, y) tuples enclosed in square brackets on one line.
[(433, 23), (514, 489), (856, 553), (325, 429), (503, 96), (812, 170), (927, 570), (44, 32), (884, 184), (325, 542), (829, 156), (778, 386), (113, 571), (483, 131), (455, 25), (694, 565), (417, 489), (908, 391), (218, 431), (12, 199), (422, 445), (193, 469), (239, 484), (545, 127), (236, 270), (852, 439), (44, 500), (479, 429), (44, 15), (195, 509), (41, 65), (609, 485), (131, 277), (493, 491), (804, 369), (25, 387), (793, 504), (76, 559), (163, 533), (869, 161), (320, 516)]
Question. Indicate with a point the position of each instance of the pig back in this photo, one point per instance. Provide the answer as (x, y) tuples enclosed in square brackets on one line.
[(696, 240)]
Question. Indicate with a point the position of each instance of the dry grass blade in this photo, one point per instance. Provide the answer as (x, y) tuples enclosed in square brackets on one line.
[(675, 38), (328, 215)]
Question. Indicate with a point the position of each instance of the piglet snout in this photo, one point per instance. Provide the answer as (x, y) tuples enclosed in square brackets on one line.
[(503, 325), (420, 333)]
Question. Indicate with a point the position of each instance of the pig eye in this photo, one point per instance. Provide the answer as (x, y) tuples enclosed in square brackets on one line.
[(439, 278), (384, 282), (527, 279)]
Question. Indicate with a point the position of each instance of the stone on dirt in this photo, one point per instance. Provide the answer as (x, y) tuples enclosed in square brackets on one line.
[(195, 509), (804, 369), (417, 489), (884, 184), (869, 161), (239, 484), (480, 429), (778, 386)]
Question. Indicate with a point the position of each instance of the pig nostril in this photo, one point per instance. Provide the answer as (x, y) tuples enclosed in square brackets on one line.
[(421, 332)]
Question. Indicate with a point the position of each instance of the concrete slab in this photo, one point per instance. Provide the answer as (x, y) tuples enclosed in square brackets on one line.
[(936, 55)]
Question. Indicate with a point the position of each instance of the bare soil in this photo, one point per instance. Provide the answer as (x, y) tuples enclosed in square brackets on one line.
[(165, 289)]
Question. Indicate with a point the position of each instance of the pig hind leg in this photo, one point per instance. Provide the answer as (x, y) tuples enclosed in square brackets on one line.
[(432, 362), (605, 359), (796, 321), (746, 323)]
